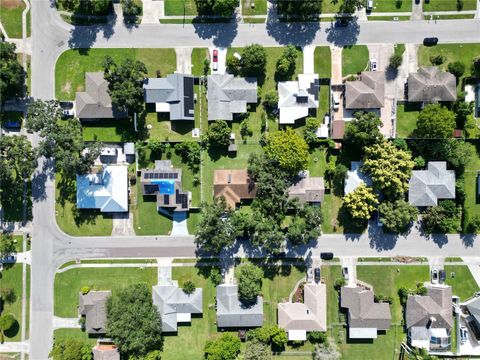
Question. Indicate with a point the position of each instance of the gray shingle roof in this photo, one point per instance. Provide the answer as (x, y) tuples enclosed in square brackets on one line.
[(176, 90), (430, 84), (474, 309), (427, 186), (95, 102), (363, 312), (437, 305), (228, 95), (308, 189), (170, 300), (93, 307), (107, 354), (366, 93), (231, 313)]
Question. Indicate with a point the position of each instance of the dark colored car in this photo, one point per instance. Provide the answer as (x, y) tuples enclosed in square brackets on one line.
[(9, 259), (12, 125), (66, 104), (326, 256), (430, 41), (317, 275), (343, 22), (442, 275)]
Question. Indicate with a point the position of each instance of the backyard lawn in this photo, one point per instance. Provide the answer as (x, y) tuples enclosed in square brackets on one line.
[(180, 8), (77, 334), (447, 5), (72, 65), (407, 115), (392, 6), (109, 130), (69, 283), (11, 17), (330, 274), (354, 59), (471, 204), (259, 9), (77, 222), (323, 61), (463, 284)]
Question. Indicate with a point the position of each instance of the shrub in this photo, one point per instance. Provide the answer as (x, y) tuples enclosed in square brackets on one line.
[(339, 283), (279, 336), (476, 67), (419, 162), (271, 99), (437, 59), (459, 5), (457, 68), (403, 295), (422, 290), (215, 276), (85, 290), (395, 61), (188, 287), (245, 129), (317, 337)]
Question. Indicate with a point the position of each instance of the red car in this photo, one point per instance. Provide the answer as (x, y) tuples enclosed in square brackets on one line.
[(215, 60)]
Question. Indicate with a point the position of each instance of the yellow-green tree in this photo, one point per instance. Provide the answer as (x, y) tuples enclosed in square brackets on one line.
[(389, 167), (288, 149), (361, 202)]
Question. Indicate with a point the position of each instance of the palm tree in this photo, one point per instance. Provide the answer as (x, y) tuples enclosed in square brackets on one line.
[(421, 354), (6, 322)]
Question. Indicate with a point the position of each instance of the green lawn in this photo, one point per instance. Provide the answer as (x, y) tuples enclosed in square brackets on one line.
[(324, 106), (260, 7), (330, 209), (69, 283), (452, 52), (407, 115), (72, 65), (447, 5), (463, 284), (472, 204), (18, 240), (110, 130), (77, 334), (354, 59), (392, 6), (317, 162), (386, 281), (198, 58), (323, 61), (331, 6), (178, 7), (192, 221), (399, 49), (332, 273), (11, 277), (78, 222), (11, 17)]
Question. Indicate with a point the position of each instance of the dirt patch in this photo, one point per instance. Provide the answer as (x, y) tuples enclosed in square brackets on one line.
[(11, 4), (67, 87)]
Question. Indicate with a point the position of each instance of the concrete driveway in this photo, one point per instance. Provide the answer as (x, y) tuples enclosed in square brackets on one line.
[(153, 11), (184, 60), (222, 60), (309, 59), (179, 226)]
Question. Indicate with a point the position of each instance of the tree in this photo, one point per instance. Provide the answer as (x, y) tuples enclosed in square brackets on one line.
[(218, 134), (317, 337), (435, 122), (125, 83), (254, 61), (310, 133), (71, 349), (215, 231), (360, 203), (7, 295), (225, 347), (462, 111), (249, 283), (271, 99), (245, 130), (223, 8), (233, 64), (476, 67), (389, 168), (191, 153), (279, 336), (457, 68), (288, 150), (17, 159), (268, 235), (349, 6), (419, 162), (403, 295), (11, 72), (244, 224), (6, 322), (296, 231), (133, 322), (301, 10), (444, 218), (397, 216), (338, 175), (262, 334), (286, 63), (421, 354), (396, 61), (131, 8), (313, 221), (188, 287), (363, 131), (7, 244), (256, 350)]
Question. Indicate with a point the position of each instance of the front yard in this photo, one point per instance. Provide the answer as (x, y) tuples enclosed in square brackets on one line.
[(392, 6), (11, 17), (323, 61), (461, 280), (180, 8), (448, 5), (260, 7), (354, 59)]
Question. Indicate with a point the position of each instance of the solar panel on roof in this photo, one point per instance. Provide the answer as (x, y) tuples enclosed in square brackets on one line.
[(188, 101)]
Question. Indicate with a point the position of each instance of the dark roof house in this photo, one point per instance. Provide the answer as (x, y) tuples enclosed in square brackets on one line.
[(368, 92), (234, 185), (166, 183), (430, 84), (365, 316), (93, 307), (105, 350), (173, 94), (308, 189), (95, 102), (427, 186)]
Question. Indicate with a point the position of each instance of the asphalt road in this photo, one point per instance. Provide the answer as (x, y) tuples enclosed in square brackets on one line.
[(51, 36)]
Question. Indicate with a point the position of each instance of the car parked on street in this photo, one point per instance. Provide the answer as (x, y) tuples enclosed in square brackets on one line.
[(326, 255), (430, 41)]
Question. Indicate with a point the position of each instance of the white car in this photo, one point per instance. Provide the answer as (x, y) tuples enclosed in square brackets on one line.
[(335, 101), (463, 335), (373, 65), (369, 5), (68, 113), (434, 276)]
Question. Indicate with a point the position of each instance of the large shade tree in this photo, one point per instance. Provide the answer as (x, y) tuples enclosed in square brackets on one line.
[(11, 72), (288, 149), (360, 203), (362, 131), (435, 122), (224, 347), (249, 283), (17, 159), (71, 349), (397, 216)]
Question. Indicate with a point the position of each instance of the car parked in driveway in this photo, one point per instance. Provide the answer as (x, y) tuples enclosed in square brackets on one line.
[(434, 276), (8, 259), (309, 275), (317, 275), (442, 275), (373, 65), (335, 101), (463, 335), (215, 60), (430, 41), (345, 273)]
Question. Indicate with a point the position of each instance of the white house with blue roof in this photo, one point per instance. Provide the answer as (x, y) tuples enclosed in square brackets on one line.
[(106, 190)]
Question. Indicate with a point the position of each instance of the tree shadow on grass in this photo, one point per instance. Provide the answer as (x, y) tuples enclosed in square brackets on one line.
[(353, 228), (13, 331)]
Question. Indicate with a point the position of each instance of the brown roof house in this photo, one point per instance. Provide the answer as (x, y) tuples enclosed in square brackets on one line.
[(368, 92), (311, 315), (365, 316), (308, 189), (166, 183), (429, 318), (234, 185), (430, 84), (93, 307), (105, 350), (95, 102)]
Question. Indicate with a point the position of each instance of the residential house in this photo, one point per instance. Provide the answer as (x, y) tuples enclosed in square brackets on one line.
[(175, 306), (298, 99), (366, 93), (430, 84), (165, 182), (365, 316), (232, 313), (173, 94), (105, 350), (105, 189), (93, 307), (427, 186), (95, 102), (228, 95), (473, 318), (234, 185), (429, 318), (476, 111), (356, 177), (307, 189), (311, 315)]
